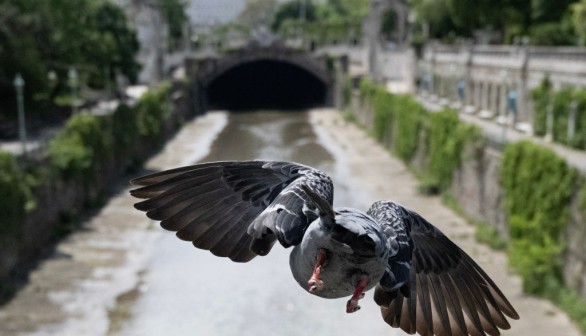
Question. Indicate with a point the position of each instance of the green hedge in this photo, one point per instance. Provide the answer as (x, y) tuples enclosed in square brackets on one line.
[(400, 123), (538, 184), (86, 143), (81, 147), (79, 152), (561, 102), (538, 187), (447, 138)]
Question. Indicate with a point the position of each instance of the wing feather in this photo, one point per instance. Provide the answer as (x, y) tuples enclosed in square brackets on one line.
[(445, 292), (226, 207)]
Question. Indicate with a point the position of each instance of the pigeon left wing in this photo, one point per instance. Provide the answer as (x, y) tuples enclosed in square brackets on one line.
[(431, 286), (234, 209)]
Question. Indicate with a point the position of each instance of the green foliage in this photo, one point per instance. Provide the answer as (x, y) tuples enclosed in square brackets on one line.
[(538, 186), (447, 137), (552, 34), (561, 108), (118, 47), (334, 20), (153, 108), (290, 11), (16, 196), (561, 102), (368, 89), (41, 36), (399, 122), (579, 138), (539, 19), (347, 90), (409, 117), (541, 97), (382, 106), (578, 12), (81, 147), (174, 12)]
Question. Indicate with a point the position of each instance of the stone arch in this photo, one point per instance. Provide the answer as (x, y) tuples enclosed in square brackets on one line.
[(264, 73)]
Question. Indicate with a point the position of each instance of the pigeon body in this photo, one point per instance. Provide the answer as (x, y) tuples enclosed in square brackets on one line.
[(356, 245), (423, 282)]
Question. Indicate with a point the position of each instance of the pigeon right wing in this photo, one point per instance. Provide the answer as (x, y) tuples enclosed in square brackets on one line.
[(234, 209), (431, 285)]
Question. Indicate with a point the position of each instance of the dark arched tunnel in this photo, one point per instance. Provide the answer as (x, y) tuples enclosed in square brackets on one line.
[(266, 84)]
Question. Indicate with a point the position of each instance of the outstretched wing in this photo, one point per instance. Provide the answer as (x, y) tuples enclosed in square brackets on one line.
[(234, 209), (431, 286)]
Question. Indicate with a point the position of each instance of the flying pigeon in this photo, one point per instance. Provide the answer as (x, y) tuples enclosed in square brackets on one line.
[(238, 209)]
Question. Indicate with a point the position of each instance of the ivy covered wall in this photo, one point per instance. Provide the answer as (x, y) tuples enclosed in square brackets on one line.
[(40, 200), (530, 198)]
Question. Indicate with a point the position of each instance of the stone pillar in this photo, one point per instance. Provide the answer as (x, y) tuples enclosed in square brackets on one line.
[(484, 96), (503, 100), (494, 108), (372, 26)]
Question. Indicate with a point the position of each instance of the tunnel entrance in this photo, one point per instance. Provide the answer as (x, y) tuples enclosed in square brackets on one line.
[(266, 84)]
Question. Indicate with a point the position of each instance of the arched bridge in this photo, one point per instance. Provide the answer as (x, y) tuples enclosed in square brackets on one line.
[(262, 76)]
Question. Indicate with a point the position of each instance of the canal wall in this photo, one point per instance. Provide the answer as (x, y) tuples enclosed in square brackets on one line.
[(473, 166), (76, 172)]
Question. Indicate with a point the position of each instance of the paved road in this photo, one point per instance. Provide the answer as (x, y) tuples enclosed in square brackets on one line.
[(122, 275)]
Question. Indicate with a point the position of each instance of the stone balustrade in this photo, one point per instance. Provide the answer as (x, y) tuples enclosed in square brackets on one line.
[(496, 81)]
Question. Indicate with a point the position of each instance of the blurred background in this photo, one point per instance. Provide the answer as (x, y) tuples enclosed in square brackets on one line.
[(473, 113)]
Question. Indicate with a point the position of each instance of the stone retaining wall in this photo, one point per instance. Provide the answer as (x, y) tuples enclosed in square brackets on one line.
[(476, 187)]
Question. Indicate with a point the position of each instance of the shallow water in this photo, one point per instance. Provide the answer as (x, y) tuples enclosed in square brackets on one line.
[(186, 291)]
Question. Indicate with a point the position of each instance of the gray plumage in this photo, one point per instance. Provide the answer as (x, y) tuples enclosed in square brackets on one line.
[(424, 282)]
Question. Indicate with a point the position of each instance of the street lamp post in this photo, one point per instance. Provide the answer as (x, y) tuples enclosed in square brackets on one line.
[(19, 86)]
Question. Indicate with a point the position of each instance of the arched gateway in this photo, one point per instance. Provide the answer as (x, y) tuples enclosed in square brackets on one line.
[(261, 75)]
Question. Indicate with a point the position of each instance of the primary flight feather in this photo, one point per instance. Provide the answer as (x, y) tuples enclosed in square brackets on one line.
[(423, 282)]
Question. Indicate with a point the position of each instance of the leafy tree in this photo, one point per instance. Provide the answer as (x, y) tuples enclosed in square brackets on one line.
[(578, 10), (121, 41), (435, 15), (175, 14), (324, 21), (290, 11), (38, 37), (539, 19)]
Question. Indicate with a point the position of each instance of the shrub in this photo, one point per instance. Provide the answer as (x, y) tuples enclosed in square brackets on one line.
[(541, 97), (81, 147), (447, 137), (152, 109), (561, 102), (409, 118), (383, 109), (538, 186)]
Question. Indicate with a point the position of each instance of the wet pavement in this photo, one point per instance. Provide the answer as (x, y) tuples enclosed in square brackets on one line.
[(123, 275)]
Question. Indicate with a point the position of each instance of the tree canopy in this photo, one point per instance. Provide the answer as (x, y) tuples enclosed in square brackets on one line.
[(42, 40), (543, 21), (323, 21)]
